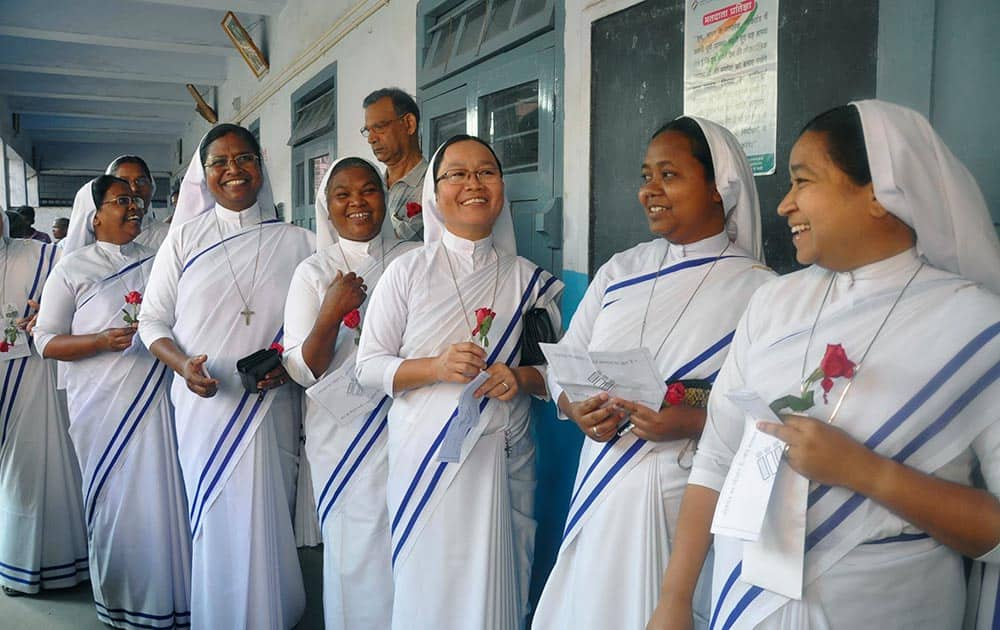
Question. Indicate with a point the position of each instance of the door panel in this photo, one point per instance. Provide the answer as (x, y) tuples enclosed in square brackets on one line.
[(511, 107)]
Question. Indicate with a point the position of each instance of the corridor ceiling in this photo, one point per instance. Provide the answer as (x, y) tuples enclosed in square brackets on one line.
[(90, 79)]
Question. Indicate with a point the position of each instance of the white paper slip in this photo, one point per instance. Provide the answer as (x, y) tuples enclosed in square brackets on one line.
[(635, 375), (748, 486), (775, 562), (465, 418), (573, 368), (340, 394), (19, 350), (629, 374)]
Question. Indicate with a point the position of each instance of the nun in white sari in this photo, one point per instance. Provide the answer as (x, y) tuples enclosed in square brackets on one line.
[(345, 430), (135, 171), (461, 506), (216, 294), (873, 500), (680, 296), (43, 540), (121, 421)]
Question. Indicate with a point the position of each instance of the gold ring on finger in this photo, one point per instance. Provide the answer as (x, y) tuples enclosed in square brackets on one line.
[(506, 387), (595, 431)]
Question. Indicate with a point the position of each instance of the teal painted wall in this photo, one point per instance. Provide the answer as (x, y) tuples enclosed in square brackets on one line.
[(557, 454)]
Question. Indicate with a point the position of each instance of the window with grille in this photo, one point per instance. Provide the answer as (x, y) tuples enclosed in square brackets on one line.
[(455, 38)]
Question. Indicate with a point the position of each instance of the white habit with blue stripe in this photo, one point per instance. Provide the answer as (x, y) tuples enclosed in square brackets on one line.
[(462, 533), (238, 451), (121, 423), (348, 461), (627, 494), (927, 395), (43, 540)]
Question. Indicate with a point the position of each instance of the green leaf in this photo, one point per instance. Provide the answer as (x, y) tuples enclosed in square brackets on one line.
[(793, 403)]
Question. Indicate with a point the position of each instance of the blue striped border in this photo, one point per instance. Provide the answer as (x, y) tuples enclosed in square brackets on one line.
[(124, 443), (9, 402), (190, 262), (437, 442), (679, 373), (350, 473), (932, 386), (117, 274), (687, 264), (118, 430), (608, 476), (195, 509), (321, 513)]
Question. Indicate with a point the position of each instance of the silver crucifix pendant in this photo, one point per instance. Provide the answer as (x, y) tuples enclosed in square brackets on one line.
[(246, 313)]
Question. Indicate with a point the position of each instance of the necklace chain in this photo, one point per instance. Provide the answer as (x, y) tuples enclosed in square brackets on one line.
[(381, 244), (864, 355), (642, 331), (117, 274), (454, 279), (246, 312)]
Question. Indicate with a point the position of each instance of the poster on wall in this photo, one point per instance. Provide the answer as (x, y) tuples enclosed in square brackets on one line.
[(731, 71)]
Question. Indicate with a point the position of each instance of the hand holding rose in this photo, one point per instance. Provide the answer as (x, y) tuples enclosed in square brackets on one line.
[(460, 363), (346, 293)]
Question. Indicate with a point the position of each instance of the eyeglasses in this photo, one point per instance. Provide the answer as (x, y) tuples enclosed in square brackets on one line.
[(126, 201), (380, 127), (460, 176), (242, 160)]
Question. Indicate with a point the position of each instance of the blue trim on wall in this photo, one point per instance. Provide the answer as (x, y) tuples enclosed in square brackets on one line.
[(557, 455), (576, 287)]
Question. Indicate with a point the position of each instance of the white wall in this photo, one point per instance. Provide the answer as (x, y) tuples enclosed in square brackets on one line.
[(371, 52), (580, 14)]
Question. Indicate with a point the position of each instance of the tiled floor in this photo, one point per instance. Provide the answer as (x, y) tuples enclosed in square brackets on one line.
[(73, 609)]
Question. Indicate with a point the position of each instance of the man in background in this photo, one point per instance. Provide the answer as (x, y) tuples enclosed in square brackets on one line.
[(59, 227), (392, 125), (28, 214)]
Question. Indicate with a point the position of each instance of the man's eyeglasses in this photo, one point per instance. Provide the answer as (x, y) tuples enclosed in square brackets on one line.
[(460, 176), (242, 160), (126, 201), (380, 127)]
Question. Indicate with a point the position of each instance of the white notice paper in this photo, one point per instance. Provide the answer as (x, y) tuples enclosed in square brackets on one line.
[(466, 417), (747, 489), (340, 394), (629, 374), (775, 562)]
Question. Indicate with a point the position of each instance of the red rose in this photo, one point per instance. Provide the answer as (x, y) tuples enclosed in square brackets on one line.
[(413, 209), (4, 346), (675, 394), (835, 363), (352, 319), (483, 314), (277, 346), (133, 297), (827, 385)]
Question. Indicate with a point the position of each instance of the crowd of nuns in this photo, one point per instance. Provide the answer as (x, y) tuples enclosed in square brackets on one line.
[(184, 404)]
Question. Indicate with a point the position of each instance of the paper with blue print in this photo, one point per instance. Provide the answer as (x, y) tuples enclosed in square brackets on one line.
[(628, 374), (341, 396)]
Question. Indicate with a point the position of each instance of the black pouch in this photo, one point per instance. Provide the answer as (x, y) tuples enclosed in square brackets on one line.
[(536, 328), (254, 367)]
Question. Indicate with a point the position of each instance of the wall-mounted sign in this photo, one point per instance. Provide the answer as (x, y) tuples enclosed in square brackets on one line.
[(731, 71)]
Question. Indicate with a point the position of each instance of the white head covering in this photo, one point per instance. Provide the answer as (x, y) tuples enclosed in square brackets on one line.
[(194, 197), (735, 183), (918, 180), (113, 165), (503, 228), (149, 215), (326, 233), (80, 232)]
